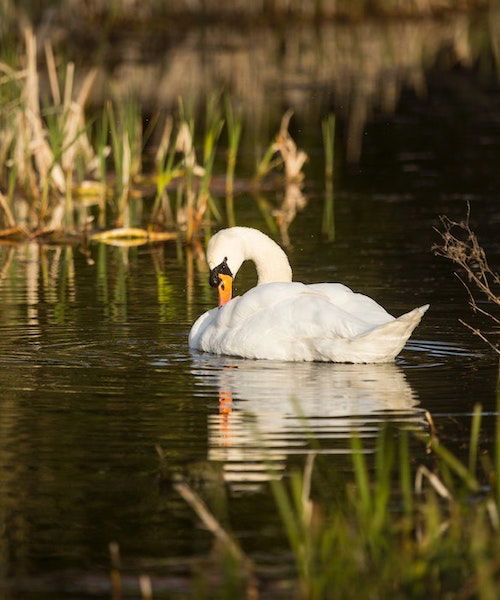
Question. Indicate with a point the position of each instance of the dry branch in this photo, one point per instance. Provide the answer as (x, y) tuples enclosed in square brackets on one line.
[(293, 158), (482, 283)]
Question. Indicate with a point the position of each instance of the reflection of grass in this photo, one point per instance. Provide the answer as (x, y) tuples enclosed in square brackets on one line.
[(328, 129), (380, 535), (53, 278)]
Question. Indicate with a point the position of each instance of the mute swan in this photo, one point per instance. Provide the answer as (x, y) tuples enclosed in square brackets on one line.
[(284, 320)]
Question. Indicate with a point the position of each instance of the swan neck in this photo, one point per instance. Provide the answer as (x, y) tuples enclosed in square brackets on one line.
[(270, 260)]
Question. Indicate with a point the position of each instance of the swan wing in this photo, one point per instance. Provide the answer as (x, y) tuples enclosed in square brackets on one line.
[(293, 321), (353, 303)]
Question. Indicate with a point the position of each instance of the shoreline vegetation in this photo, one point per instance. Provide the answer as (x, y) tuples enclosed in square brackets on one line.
[(354, 69), (148, 150), (63, 173), (406, 527)]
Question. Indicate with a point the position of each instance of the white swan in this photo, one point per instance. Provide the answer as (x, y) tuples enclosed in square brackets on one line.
[(284, 320)]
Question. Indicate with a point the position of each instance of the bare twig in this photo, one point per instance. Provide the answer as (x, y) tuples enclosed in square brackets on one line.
[(461, 246), (477, 332)]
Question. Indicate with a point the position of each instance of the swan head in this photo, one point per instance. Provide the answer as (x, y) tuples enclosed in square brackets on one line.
[(229, 248), (225, 255), (222, 278)]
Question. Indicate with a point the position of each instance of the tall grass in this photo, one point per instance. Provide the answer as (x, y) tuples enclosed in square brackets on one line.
[(44, 142), (63, 173), (234, 127), (395, 528)]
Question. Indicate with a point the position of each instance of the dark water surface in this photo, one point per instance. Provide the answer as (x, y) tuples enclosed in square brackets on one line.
[(95, 369)]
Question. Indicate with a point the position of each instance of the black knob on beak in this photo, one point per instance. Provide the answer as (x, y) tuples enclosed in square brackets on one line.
[(221, 269)]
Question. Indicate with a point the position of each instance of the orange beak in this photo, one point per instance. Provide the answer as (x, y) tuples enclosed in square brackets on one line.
[(225, 288)]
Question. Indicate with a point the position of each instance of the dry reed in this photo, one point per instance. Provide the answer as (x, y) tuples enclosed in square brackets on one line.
[(461, 246), (62, 172)]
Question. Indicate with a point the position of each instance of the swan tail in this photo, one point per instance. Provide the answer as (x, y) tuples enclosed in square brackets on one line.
[(385, 342)]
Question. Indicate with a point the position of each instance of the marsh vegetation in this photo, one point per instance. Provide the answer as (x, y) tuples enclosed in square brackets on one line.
[(64, 172), (135, 141), (399, 528)]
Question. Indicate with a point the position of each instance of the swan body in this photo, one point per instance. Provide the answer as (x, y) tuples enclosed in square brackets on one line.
[(284, 320)]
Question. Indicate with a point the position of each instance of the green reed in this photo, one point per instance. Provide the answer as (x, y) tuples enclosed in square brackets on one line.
[(166, 170), (213, 127), (395, 528), (125, 126), (63, 167), (266, 163), (234, 127), (474, 439), (102, 152)]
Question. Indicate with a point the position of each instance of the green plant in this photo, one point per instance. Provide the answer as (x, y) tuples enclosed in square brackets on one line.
[(394, 528), (234, 127)]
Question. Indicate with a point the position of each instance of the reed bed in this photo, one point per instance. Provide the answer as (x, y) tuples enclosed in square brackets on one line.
[(366, 63), (64, 173), (397, 528)]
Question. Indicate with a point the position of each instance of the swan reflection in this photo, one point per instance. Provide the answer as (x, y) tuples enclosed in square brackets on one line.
[(269, 410)]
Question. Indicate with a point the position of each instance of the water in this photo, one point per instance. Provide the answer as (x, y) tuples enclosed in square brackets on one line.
[(95, 370)]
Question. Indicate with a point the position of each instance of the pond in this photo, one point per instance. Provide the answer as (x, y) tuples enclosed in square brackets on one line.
[(96, 376), (95, 371)]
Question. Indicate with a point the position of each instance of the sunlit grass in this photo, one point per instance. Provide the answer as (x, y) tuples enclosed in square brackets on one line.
[(234, 127), (64, 173), (396, 528)]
